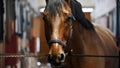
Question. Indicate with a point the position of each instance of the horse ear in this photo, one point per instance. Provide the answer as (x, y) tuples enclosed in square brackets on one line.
[(68, 1)]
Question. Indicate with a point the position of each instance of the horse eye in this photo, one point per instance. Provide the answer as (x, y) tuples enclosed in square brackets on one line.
[(70, 17), (45, 19)]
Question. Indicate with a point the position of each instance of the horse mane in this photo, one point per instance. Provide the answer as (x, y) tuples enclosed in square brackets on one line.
[(79, 15)]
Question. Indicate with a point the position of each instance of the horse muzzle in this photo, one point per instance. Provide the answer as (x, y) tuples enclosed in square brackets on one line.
[(56, 60), (56, 54)]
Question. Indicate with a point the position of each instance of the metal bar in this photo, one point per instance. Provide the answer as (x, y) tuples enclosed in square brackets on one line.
[(23, 55), (1, 20), (105, 56), (118, 22), (45, 55)]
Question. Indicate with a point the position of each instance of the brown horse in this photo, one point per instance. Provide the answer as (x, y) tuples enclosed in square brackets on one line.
[(67, 30)]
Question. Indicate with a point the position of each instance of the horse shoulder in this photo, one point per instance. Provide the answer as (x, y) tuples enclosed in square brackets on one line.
[(107, 38)]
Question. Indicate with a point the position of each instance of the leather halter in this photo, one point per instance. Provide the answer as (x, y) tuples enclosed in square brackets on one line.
[(57, 41), (61, 42)]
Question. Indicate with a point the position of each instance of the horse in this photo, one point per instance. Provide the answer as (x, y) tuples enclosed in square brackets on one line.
[(68, 32)]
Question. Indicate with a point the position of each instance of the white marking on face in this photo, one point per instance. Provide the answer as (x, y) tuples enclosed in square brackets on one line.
[(56, 27), (56, 46)]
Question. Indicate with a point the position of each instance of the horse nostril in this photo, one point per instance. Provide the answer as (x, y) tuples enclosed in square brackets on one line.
[(49, 58), (61, 57)]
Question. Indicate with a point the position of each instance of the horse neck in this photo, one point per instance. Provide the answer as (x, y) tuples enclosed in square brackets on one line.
[(81, 38)]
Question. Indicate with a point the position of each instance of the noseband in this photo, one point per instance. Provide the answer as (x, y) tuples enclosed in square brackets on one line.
[(57, 41), (61, 42)]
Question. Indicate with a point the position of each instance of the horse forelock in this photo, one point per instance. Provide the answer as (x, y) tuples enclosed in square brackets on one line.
[(54, 6)]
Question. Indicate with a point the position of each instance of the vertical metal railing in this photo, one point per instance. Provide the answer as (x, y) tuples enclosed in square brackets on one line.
[(118, 22)]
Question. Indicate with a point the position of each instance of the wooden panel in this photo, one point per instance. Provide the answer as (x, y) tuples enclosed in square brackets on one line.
[(36, 27)]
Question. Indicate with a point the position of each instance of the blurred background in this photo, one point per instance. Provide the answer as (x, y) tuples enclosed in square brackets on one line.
[(22, 32)]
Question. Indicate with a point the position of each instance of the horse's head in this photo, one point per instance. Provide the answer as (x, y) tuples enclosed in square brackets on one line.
[(58, 20)]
